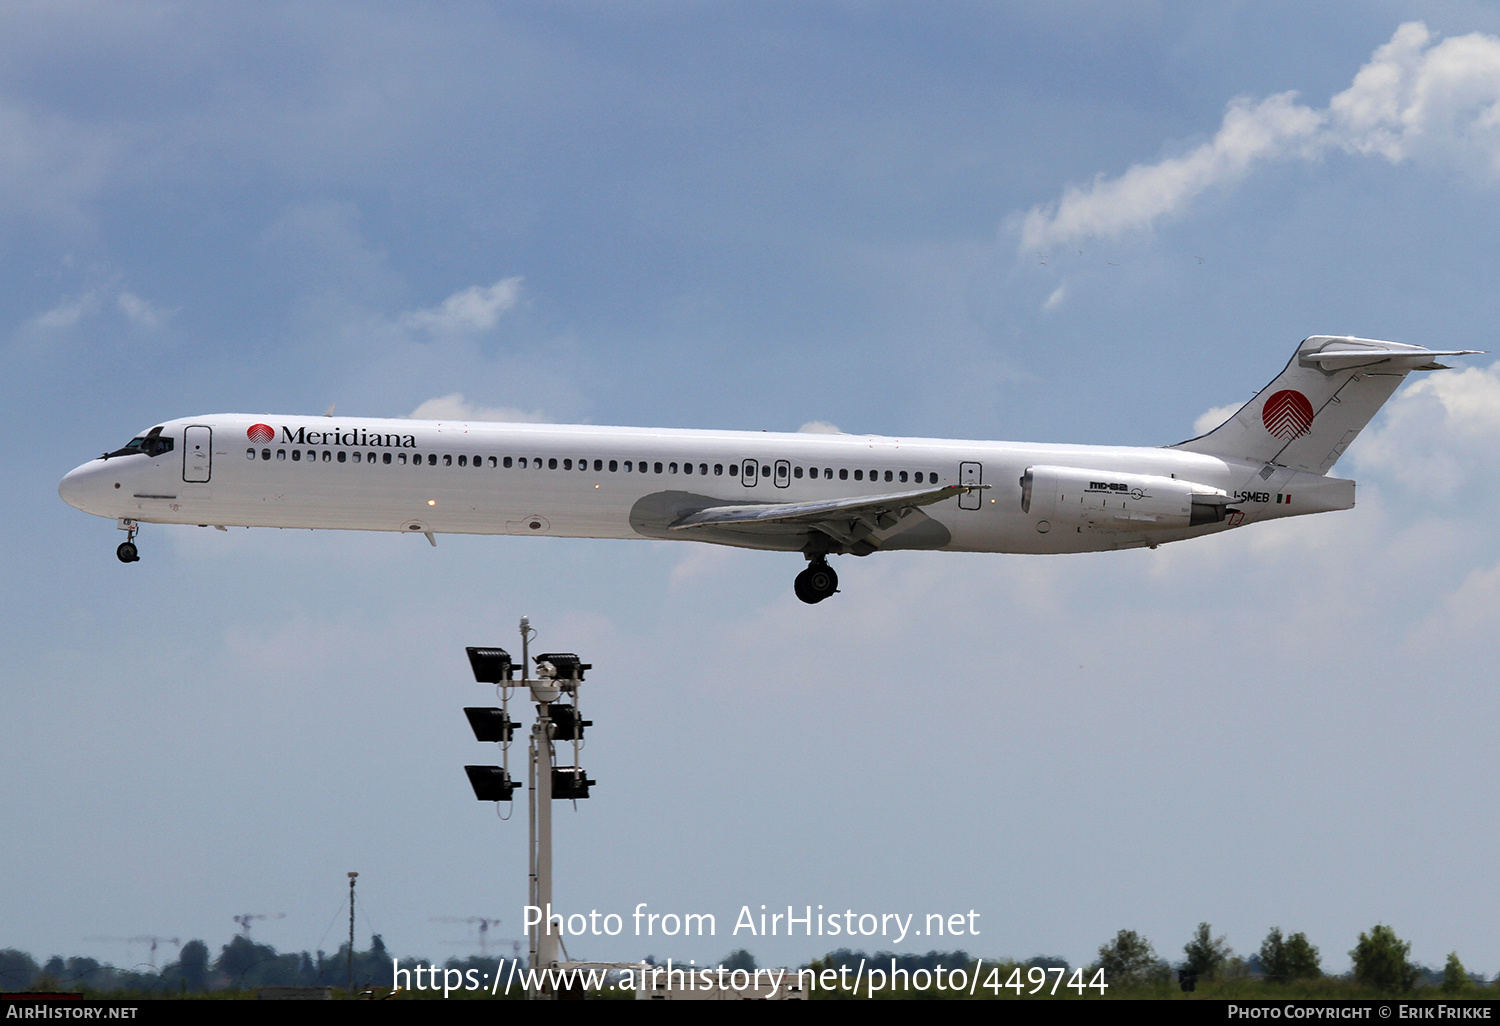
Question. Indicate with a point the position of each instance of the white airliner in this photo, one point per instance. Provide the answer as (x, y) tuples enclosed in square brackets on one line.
[(814, 494)]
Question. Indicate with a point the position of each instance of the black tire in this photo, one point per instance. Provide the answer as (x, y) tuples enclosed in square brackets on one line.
[(803, 589), (821, 580), (127, 553)]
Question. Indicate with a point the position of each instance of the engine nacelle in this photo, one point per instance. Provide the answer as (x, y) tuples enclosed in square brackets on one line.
[(1105, 500)]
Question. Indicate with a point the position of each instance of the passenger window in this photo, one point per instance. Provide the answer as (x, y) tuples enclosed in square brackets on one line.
[(859, 475), (296, 455), (671, 468), (356, 457), (797, 472), (265, 454), (598, 465), (385, 458), (463, 461), (843, 474), (432, 459), (613, 466), (401, 458), (552, 464), (888, 475), (658, 468), (567, 464), (281, 454), (903, 475), (734, 470), (718, 469), (687, 468), (343, 456)]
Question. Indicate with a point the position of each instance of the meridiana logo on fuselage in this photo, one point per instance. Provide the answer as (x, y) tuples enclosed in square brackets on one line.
[(355, 437)]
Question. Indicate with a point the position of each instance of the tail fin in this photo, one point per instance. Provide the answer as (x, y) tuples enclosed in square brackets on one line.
[(1309, 414)]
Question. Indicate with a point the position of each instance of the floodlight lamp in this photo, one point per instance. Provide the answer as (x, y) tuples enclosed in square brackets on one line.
[(490, 724), (491, 665), (570, 783), (491, 783), (566, 726)]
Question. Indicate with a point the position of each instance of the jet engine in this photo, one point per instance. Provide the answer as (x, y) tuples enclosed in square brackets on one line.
[(1105, 500)]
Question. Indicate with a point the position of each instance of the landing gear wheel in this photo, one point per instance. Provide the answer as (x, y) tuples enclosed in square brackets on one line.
[(127, 553), (816, 583)]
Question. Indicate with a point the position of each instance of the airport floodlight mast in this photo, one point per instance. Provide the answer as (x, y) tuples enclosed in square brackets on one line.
[(557, 674), (352, 877)]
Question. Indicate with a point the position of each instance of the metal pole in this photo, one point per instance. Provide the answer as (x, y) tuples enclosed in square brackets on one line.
[(531, 806), (351, 933), (547, 944)]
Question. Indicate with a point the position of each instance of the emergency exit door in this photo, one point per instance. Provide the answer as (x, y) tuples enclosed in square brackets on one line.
[(970, 474)]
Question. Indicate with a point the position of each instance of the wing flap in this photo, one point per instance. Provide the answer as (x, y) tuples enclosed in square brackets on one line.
[(863, 507)]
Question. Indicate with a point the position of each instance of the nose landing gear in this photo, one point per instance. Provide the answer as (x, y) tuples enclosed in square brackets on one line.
[(127, 551), (817, 582)]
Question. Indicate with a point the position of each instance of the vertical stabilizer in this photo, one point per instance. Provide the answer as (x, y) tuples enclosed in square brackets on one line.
[(1309, 414)]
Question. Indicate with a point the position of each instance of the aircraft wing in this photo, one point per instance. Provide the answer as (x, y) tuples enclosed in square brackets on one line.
[(847, 520)]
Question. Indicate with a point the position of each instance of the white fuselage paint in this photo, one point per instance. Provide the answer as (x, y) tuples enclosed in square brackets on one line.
[(215, 475)]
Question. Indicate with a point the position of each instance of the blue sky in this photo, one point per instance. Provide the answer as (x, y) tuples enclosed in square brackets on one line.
[(1077, 223)]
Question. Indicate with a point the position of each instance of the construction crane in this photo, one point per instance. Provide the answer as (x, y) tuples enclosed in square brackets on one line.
[(245, 920)]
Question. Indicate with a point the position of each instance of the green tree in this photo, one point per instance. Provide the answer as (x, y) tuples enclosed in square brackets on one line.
[(1380, 961), (1284, 959), (1129, 958), (739, 959), (1455, 976), (1205, 955), (193, 965)]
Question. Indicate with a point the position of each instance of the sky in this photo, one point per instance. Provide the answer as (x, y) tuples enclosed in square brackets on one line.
[(1074, 222)]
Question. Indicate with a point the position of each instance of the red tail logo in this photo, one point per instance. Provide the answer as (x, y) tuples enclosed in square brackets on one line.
[(260, 433), (1287, 414)]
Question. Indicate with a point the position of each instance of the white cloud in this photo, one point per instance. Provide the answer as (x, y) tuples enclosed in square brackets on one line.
[(1210, 419), (66, 314), (819, 427), (140, 312), (1416, 99), (1251, 132), (474, 309), (1055, 300), (455, 407), (1438, 432)]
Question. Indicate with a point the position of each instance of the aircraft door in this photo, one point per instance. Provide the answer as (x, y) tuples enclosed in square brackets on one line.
[(197, 446), (970, 474), (748, 470), (783, 473)]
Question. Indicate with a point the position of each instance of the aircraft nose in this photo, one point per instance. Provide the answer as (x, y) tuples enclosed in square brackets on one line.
[(78, 486)]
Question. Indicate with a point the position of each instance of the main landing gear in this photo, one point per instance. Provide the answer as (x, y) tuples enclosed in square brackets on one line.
[(817, 582), (127, 551)]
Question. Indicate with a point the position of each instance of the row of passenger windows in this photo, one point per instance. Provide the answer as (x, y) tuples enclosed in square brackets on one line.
[(748, 470)]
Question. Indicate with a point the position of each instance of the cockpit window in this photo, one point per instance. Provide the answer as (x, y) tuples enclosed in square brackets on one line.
[(151, 443)]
